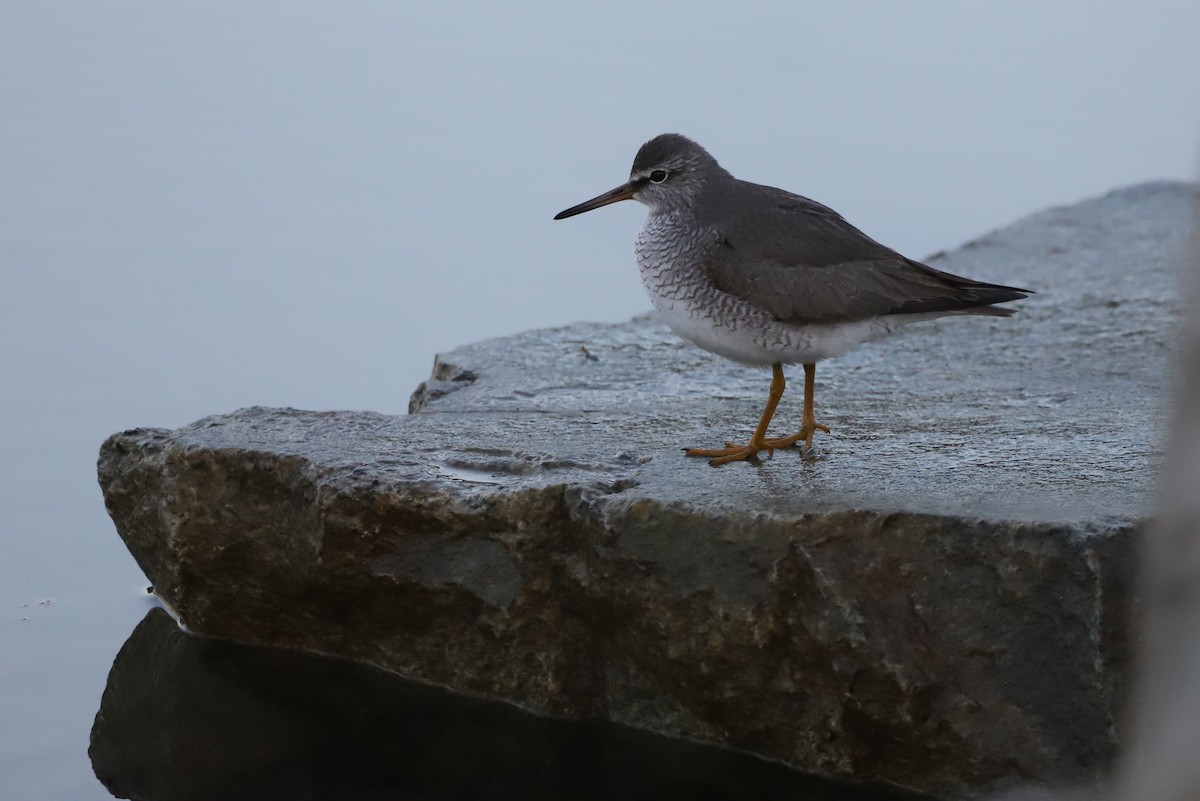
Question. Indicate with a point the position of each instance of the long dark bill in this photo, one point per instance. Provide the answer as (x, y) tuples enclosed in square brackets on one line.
[(622, 192)]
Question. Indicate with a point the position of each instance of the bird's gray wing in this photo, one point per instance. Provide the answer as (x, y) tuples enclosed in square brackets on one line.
[(804, 263)]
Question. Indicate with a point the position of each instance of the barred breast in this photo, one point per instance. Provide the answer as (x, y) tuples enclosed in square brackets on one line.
[(670, 252)]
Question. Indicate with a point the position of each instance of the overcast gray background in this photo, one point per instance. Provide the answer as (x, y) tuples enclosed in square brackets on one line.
[(210, 205)]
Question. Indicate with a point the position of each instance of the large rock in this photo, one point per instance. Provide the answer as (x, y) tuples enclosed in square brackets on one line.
[(937, 597)]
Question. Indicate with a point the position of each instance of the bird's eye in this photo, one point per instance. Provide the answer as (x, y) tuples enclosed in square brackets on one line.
[(658, 176)]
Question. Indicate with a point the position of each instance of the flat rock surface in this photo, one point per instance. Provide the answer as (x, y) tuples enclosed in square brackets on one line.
[(1053, 415), (936, 596)]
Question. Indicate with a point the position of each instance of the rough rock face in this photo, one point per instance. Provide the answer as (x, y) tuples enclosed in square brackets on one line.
[(937, 597), (186, 718)]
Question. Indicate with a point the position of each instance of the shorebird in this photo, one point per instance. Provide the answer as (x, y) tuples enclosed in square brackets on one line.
[(765, 277)]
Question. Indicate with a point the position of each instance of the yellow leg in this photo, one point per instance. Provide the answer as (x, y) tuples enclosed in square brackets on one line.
[(759, 441), (808, 423)]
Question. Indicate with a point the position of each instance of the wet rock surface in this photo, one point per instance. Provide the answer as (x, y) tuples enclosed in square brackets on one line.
[(936, 597)]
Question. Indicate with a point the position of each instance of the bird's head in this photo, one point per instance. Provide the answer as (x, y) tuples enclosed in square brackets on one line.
[(669, 172)]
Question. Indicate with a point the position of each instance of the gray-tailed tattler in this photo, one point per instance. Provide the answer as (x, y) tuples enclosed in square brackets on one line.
[(767, 278)]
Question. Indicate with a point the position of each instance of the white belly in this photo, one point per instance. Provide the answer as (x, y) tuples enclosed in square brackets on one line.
[(758, 339)]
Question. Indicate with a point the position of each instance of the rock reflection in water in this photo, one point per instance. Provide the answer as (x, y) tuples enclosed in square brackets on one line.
[(184, 717)]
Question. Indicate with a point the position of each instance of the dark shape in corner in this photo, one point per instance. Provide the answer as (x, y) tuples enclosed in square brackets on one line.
[(185, 717)]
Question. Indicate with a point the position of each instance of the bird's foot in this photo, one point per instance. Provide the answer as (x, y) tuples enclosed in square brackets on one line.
[(732, 452), (807, 429)]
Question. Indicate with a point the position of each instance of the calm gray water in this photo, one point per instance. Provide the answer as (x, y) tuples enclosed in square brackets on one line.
[(209, 206)]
